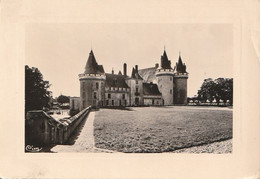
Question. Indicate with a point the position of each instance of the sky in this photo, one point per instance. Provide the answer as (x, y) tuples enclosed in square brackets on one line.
[(60, 50)]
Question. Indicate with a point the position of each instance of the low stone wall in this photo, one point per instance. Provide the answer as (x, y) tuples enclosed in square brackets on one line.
[(42, 129)]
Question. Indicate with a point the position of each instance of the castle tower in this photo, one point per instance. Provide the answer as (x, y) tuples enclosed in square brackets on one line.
[(92, 84), (135, 82), (164, 76), (180, 83)]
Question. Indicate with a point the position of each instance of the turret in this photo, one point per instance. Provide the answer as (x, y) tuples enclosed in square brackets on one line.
[(92, 84), (135, 82), (180, 83), (164, 75)]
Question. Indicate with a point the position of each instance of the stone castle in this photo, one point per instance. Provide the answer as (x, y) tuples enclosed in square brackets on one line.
[(162, 85)]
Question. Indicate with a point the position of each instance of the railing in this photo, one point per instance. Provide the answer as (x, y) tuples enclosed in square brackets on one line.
[(43, 129)]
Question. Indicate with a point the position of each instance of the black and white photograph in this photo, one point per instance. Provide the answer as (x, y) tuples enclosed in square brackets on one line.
[(117, 89), (131, 88)]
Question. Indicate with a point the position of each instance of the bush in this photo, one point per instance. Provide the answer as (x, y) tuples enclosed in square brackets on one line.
[(73, 112)]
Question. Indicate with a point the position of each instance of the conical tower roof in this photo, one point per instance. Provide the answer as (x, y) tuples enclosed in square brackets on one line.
[(92, 66), (135, 74), (180, 67), (165, 63)]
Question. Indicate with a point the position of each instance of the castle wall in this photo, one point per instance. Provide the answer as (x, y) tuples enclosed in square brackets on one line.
[(152, 101), (165, 86), (75, 103), (136, 98), (92, 92), (117, 98), (180, 90)]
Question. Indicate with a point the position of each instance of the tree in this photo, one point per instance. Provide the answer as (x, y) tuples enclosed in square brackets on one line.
[(219, 89), (229, 90), (207, 91), (37, 95), (63, 99)]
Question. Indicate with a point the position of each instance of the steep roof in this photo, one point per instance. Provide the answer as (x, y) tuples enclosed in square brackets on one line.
[(92, 66), (165, 63), (135, 74), (148, 74), (180, 67), (151, 89), (113, 80)]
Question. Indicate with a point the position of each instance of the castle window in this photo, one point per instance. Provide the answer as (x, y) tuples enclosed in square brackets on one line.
[(95, 95), (107, 102), (170, 91), (97, 85), (125, 103), (108, 96), (123, 96), (112, 102), (136, 89), (136, 82), (119, 102)]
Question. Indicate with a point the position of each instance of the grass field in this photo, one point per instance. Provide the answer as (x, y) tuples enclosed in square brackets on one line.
[(161, 129)]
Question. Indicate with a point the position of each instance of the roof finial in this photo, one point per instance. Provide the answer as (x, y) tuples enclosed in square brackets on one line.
[(164, 47), (179, 53)]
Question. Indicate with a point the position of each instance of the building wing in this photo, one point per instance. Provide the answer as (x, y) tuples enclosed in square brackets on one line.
[(117, 81)]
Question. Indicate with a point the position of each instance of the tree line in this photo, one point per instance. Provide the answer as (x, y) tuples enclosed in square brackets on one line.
[(220, 89)]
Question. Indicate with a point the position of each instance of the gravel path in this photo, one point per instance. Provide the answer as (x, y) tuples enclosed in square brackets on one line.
[(216, 148), (85, 142)]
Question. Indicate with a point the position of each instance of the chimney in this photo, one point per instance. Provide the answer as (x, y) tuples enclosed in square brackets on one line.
[(156, 65), (136, 68), (125, 69)]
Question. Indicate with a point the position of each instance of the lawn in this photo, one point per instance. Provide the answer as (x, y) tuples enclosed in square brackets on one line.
[(161, 129)]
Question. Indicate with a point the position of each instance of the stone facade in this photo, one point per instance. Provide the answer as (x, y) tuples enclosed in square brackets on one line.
[(117, 97), (180, 89), (135, 82), (75, 103), (162, 85)]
